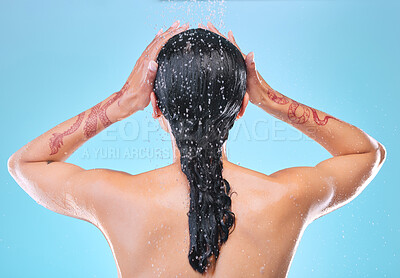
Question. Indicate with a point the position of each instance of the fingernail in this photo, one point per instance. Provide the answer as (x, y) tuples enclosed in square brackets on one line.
[(251, 57), (159, 32), (153, 66), (176, 24)]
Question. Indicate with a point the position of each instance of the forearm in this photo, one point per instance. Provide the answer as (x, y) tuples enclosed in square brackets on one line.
[(60, 142), (336, 136)]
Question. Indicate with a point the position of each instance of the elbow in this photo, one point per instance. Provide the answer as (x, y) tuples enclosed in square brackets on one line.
[(381, 153), (11, 165), (15, 168)]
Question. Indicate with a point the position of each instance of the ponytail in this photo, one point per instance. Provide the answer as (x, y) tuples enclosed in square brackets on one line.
[(200, 91), (210, 215)]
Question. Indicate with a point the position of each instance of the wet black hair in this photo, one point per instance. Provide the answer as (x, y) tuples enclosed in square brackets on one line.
[(200, 86)]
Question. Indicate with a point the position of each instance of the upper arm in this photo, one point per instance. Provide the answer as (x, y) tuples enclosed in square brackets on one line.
[(335, 181), (64, 188)]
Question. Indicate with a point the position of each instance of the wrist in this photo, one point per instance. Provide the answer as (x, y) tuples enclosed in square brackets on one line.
[(121, 110), (116, 109), (261, 97), (271, 97)]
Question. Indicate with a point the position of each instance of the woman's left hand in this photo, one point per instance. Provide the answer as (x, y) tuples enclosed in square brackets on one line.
[(135, 94)]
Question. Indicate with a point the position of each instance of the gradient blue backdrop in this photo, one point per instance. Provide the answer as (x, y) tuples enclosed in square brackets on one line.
[(58, 58)]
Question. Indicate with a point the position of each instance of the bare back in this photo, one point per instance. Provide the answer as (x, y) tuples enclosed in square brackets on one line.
[(144, 217), (146, 225)]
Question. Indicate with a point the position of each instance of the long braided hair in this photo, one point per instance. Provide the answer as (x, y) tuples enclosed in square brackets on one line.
[(200, 85)]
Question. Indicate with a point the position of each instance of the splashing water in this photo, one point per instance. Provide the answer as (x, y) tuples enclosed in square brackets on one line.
[(192, 11)]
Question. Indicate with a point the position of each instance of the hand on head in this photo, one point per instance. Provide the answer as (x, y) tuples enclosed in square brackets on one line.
[(138, 88), (255, 83), (139, 85)]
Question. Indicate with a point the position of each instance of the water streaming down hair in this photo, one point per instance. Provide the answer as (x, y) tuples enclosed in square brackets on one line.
[(200, 85)]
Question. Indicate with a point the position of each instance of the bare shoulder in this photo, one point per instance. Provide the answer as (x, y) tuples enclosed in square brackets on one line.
[(115, 177), (249, 180), (313, 191), (236, 171), (293, 184), (118, 185)]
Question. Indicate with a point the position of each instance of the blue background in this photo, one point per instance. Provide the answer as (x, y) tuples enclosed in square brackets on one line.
[(58, 58)]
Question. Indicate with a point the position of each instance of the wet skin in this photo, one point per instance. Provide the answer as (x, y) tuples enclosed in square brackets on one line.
[(144, 217), (146, 224)]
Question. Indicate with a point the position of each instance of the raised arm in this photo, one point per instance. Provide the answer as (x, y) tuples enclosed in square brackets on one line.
[(357, 157), (39, 167)]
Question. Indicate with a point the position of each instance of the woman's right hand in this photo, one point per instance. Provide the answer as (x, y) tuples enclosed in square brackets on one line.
[(257, 88)]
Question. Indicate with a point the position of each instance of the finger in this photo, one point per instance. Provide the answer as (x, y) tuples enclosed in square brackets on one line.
[(160, 34), (173, 26), (211, 27), (159, 39), (167, 35), (202, 26), (154, 40), (157, 35), (232, 39), (173, 32), (156, 47)]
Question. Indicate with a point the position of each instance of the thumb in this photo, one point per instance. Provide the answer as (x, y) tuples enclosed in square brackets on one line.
[(251, 66), (151, 73)]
